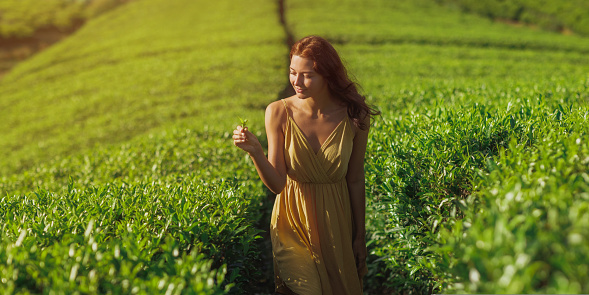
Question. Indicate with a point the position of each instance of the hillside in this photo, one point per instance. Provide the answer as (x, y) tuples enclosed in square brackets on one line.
[(567, 17), (119, 160), (28, 27), (139, 68)]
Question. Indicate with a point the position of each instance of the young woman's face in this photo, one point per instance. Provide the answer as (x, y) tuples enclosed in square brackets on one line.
[(305, 81)]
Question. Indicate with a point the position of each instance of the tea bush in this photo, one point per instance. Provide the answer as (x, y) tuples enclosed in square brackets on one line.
[(453, 97), (192, 189), (422, 22), (171, 155), (424, 172), (145, 237), (529, 233), (552, 15)]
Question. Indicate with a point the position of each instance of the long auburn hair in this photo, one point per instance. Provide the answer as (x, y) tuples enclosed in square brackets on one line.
[(327, 63)]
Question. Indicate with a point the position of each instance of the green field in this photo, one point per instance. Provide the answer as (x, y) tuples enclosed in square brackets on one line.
[(119, 173), (559, 16), (23, 18)]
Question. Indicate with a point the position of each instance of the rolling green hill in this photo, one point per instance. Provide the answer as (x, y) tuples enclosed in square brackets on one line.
[(120, 174), (560, 16), (23, 18), (142, 66)]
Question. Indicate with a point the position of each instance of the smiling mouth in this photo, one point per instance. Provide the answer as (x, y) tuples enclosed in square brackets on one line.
[(299, 90)]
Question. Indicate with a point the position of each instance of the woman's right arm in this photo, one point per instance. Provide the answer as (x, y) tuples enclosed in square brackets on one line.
[(272, 170)]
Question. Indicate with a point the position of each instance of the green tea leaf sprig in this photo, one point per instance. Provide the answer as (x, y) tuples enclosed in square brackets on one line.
[(243, 123)]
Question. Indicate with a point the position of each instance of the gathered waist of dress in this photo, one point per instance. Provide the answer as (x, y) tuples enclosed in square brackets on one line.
[(289, 178)]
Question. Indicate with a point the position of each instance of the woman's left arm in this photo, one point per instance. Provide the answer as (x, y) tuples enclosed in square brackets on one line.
[(355, 180)]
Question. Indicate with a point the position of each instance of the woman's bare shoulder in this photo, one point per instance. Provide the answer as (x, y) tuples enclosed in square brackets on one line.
[(276, 108), (276, 112)]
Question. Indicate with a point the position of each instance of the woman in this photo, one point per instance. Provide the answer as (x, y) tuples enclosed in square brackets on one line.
[(316, 144)]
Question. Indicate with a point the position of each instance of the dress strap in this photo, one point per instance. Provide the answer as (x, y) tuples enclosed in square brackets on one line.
[(285, 108)]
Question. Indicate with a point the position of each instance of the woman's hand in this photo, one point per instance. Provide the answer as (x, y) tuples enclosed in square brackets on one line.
[(246, 140), (360, 253)]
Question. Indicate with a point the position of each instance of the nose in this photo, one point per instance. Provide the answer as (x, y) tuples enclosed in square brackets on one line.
[(299, 80)]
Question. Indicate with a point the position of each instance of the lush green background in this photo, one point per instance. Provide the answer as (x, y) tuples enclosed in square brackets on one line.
[(138, 68), (457, 100), (120, 173), (22, 18), (561, 16)]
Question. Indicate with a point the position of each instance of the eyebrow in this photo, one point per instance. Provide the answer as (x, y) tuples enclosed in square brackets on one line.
[(304, 72)]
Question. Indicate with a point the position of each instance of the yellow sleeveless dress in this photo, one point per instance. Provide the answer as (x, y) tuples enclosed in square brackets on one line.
[(311, 226)]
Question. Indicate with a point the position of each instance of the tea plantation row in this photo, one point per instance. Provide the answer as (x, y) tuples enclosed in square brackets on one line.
[(22, 18), (166, 212), (553, 15), (473, 112), (464, 197)]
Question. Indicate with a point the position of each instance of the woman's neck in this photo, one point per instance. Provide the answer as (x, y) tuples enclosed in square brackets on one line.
[(320, 105)]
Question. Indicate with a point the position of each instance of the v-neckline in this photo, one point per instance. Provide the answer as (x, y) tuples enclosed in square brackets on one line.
[(327, 140)]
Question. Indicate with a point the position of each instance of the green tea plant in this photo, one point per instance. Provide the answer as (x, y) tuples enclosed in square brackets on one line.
[(171, 155), (529, 234), (243, 122), (552, 15), (152, 186), (423, 22), (427, 180), (126, 238), (453, 97)]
